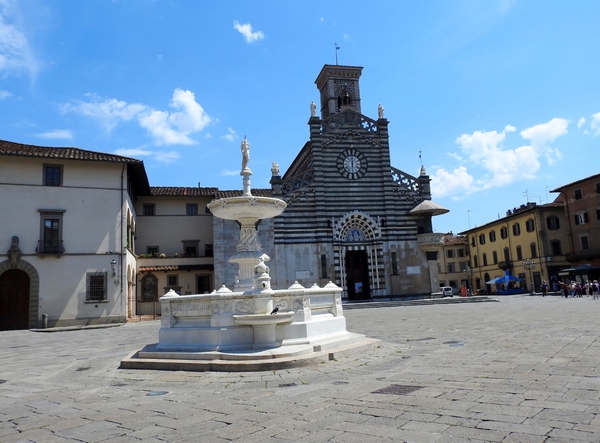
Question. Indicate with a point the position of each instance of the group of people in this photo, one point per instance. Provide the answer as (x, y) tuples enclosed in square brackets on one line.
[(576, 289)]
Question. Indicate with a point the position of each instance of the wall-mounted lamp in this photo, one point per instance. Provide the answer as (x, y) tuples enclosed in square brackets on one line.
[(113, 266)]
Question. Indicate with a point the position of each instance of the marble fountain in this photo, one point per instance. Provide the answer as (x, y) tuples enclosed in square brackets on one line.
[(253, 326)]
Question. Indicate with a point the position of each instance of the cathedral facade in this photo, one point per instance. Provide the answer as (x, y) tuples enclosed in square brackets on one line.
[(349, 218)]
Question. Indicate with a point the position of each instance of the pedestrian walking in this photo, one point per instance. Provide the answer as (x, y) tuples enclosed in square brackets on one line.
[(544, 288)]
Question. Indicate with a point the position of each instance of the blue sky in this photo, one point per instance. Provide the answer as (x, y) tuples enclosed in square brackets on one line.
[(500, 97)]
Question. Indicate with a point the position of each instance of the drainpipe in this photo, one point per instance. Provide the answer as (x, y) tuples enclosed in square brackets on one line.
[(123, 223)]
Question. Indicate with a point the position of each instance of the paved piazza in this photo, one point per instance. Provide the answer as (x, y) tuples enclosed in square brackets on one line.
[(525, 369)]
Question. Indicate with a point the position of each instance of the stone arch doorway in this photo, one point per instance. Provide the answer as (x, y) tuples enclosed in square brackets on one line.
[(18, 283), (14, 300), (357, 248)]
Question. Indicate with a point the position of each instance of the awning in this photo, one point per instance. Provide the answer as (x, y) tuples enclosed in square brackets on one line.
[(578, 270)]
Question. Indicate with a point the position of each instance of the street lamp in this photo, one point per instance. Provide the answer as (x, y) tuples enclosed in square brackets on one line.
[(468, 272), (529, 265)]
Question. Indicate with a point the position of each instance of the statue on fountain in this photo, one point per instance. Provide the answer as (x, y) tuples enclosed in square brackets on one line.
[(245, 147)]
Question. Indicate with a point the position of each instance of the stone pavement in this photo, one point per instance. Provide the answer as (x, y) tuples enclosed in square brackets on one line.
[(525, 369)]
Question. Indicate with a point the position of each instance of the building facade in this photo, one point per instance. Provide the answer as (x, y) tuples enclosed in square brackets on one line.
[(530, 242), (582, 217), (174, 245), (453, 263), (67, 222)]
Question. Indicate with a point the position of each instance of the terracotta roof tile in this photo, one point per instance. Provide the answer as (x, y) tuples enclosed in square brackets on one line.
[(215, 193), (264, 192), (173, 191), (576, 182), (19, 149)]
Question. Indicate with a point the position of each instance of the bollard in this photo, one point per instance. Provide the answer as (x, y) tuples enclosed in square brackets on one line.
[(44, 321)]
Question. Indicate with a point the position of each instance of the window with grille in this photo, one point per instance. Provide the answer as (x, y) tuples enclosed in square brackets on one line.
[(96, 286)]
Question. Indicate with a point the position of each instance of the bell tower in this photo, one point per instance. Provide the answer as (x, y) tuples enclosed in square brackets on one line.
[(339, 89)]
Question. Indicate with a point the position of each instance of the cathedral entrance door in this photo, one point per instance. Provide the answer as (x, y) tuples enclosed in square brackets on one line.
[(357, 275), (14, 300)]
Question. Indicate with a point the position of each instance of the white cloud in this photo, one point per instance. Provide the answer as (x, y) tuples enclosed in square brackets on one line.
[(595, 123), (133, 152), (109, 111), (175, 127), (16, 54), (4, 94), (456, 182), (491, 164), (246, 30), (541, 135), (159, 156), (166, 157), (228, 172), (455, 156), (230, 136), (346, 37), (581, 122), (166, 128), (57, 134)]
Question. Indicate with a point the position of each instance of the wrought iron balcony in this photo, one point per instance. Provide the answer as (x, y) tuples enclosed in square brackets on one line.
[(50, 247)]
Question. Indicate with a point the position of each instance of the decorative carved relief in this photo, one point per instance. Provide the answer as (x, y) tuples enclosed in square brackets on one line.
[(248, 240), (243, 307), (14, 253)]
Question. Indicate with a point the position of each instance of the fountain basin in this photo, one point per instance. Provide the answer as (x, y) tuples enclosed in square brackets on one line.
[(263, 319), (263, 326), (247, 207)]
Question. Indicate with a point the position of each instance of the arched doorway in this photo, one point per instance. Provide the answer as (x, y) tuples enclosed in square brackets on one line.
[(14, 300), (357, 246)]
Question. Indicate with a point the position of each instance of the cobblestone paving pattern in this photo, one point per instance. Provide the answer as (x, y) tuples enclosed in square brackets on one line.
[(525, 369)]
